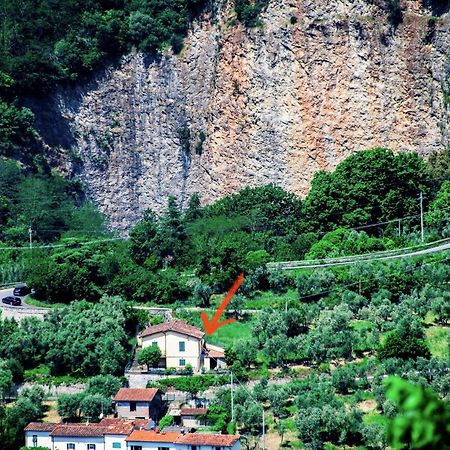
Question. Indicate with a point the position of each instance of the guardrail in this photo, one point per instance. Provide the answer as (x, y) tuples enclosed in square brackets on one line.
[(344, 259)]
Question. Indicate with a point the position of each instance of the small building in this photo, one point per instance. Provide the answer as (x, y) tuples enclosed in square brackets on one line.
[(193, 417), (142, 403), (182, 344)]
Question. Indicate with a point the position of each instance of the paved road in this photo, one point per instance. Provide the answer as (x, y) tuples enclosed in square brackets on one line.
[(19, 312), (358, 260)]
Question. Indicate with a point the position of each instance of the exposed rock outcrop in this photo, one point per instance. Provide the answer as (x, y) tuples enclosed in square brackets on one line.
[(318, 81)]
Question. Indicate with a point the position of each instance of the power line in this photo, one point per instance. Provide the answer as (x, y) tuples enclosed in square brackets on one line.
[(98, 241)]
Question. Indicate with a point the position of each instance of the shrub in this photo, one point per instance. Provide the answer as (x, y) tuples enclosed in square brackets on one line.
[(150, 356)]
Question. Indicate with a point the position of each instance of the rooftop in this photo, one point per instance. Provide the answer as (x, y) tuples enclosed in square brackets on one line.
[(178, 326), (135, 395), (193, 411), (41, 426), (152, 436), (79, 429), (219, 440)]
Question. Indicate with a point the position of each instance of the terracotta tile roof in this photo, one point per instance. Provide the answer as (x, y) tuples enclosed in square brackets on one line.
[(135, 395), (219, 440), (193, 411), (41, 426), (151, 436), (117, 426), (175, 325), (215, 354), (213, 351), (79, 430)]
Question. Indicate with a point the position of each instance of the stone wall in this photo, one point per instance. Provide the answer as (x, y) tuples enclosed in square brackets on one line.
[(318, 81)]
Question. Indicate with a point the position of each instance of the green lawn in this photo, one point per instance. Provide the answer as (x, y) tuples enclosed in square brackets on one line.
[(437, 338), (230, 333)]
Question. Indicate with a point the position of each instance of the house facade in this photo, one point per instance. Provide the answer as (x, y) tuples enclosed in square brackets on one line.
[(121, 434), (181, 344), (142, 403), (109, 434)]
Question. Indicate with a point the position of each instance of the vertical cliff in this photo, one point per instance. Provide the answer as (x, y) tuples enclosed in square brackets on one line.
[(244, 107)]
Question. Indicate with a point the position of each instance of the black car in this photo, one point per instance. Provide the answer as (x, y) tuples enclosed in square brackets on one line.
[(21, 290), (14, 301)]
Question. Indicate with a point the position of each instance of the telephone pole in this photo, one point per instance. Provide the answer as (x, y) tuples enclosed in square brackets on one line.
[(232, 397), (421, 214), (30, 233), (263, 431)]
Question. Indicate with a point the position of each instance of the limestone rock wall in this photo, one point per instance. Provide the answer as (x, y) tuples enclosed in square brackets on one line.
[(317, 82)]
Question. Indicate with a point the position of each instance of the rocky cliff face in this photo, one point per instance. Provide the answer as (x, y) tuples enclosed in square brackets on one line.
[(317, 82)]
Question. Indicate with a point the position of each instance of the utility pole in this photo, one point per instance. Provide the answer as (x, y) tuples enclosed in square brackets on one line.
[(30, 233), (399, 227), (232, 397), (263, 431), (421, 214)]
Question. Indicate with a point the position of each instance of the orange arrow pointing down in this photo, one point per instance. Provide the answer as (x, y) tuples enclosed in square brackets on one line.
[(214, 324)]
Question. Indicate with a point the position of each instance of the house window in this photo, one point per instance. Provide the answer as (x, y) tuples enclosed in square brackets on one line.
[(70, 446), (91, 447), (193, 447), (182, 346), (163, 448), (154, 344), (117, 445), (218, 448), (34, 440), (136, 447), (132, 406), (182, 362)]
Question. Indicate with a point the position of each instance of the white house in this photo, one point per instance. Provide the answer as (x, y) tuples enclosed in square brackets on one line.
[(109, 434), (122, 434), (182, 344), (37, 434), (151, 440)]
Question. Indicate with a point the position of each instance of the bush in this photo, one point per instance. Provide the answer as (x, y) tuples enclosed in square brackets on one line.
[(402, 346), (150, 356)]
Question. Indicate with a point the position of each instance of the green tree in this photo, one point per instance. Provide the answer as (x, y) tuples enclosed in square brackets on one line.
[(438, 211), (166, 421), (423, 420), (333, 336), (150, 356), (368, 187), (69, 405), (143, 239), (105, 385), (202, 292), (6, 381), (95, 406)]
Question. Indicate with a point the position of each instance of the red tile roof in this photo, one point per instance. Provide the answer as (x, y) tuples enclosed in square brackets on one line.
[(219, 440), (135, 395), (152, 436), (41, 426), (79, 430), (117, 426), (215, 354), (193, 411), (178, 326)]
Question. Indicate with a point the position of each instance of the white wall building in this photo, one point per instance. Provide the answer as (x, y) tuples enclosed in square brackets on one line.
[(121, 434), (182, 344)]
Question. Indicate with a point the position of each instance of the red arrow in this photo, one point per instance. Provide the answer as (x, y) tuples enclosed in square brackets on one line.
[(214, 324)]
